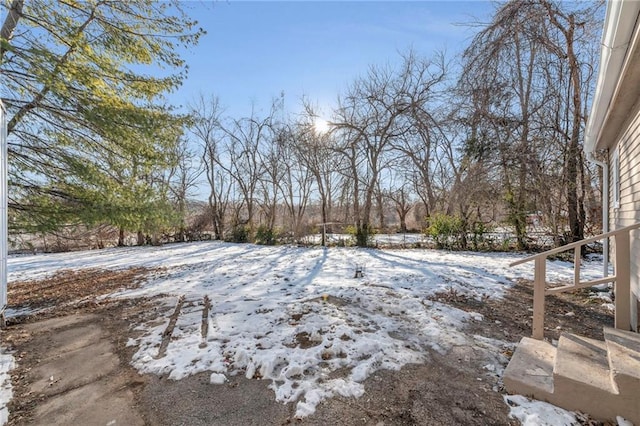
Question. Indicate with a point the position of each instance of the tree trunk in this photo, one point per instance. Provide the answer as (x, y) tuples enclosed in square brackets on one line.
[(10, 23), (380, 211), (402, 214), (575, 207), (121, 237), (214, 219)]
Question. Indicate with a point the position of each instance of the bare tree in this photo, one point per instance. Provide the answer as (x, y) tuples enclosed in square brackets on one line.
[(183, 177), (242, 140), (206, 128), (316, 151), (376, 111), (271, 157), (296, 181), (500, 76), (527, 73), (573, 26), (401, 198), (423, 147)]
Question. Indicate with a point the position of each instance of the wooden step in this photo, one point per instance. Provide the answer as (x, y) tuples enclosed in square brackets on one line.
[(530, 371), (623, 349), (582, 361)]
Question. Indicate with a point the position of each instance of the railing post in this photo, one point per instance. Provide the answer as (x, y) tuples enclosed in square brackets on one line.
[(539, 283), (623, 281), (576, 265)]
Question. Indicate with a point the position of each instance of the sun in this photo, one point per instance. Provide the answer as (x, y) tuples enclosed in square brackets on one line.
[(321, 126)]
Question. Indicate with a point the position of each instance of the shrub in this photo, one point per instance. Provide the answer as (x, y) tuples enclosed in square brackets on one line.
[(363, 235), (478, 240), (265, 236), (447, 231), (239, 234)]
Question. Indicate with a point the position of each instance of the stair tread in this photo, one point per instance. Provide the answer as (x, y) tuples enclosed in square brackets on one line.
[(531, 368), (583, 360), (624, 351)]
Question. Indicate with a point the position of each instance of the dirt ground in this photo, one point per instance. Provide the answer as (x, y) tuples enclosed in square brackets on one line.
[(449, 389)]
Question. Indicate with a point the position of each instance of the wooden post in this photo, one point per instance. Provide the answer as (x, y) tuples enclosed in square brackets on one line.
[(539, 282), (623, 281), (576, 265)]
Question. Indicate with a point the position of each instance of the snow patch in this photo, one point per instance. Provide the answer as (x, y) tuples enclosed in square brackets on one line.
[(7, 364), (217, 379), (622, 421), (538, 413)]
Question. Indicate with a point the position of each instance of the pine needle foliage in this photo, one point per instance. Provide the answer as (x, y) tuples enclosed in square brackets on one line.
[(90, 131)]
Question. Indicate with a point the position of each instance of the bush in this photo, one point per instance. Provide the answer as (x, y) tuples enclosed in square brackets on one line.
[(447, 231), (265, 236), (239, 234), (363, 235), (478, 239)]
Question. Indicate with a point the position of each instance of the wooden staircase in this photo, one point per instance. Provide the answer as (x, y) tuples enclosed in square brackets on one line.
[(601, 378)]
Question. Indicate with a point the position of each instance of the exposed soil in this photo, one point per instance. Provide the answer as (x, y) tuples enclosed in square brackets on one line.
[(510, 318), (68, 290), (448, 389)]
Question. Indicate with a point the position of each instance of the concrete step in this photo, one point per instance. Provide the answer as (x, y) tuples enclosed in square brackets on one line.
[(581, 374), (530, 371), (582, 361), (582, 379), (623, 348)]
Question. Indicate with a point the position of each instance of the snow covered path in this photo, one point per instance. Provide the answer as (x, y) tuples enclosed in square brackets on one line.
[(297, 316)]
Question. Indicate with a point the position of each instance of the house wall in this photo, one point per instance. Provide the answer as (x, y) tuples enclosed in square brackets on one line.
[(628, 212)]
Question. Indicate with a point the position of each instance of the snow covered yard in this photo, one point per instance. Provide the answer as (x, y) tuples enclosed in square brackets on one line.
[(297, 316)]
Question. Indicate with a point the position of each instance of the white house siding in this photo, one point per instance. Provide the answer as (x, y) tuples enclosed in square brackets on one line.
[(628, 212)]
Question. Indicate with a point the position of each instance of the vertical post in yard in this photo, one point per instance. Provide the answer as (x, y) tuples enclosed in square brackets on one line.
[(623, 281), (539, 283), (576, 266), (4, 236)]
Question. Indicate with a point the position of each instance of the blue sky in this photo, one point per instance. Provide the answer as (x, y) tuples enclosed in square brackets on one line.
[(255, 50)]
